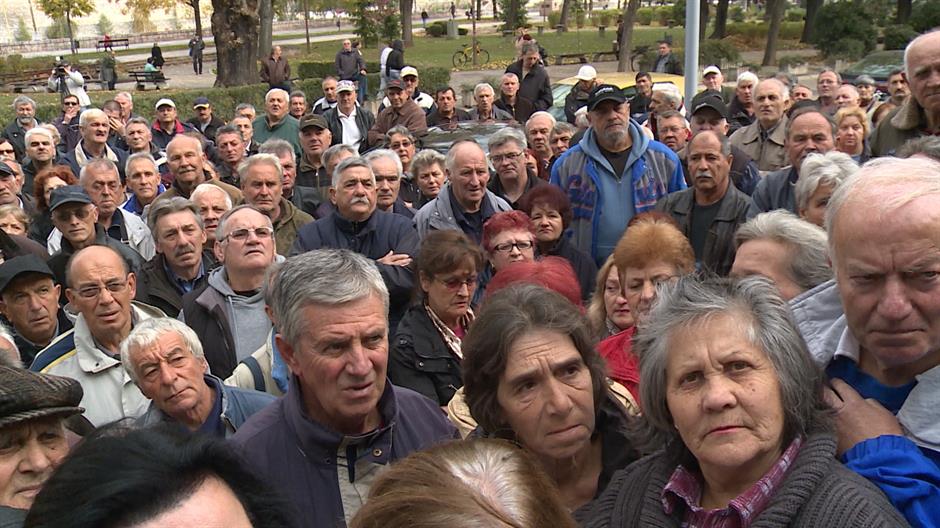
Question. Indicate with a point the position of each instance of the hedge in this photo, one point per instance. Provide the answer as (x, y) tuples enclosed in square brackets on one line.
[(756, 32), (430, 78)]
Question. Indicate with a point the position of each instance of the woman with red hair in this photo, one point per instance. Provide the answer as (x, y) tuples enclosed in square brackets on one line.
[(507, 238), (553, 273), (47, 180)]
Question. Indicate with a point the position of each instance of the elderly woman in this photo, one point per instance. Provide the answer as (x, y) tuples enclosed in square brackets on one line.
[(427, 169), (531, 375), (820, 175), (608, 311), (507, 238), (33, 438), (549, 209), (426, 353), (852, 134), (13, 221), (401, 141), (47, 180), (732, 395)]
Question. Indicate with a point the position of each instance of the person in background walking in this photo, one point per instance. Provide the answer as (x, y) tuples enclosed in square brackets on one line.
[(453, 10), (275, 70), (196, 46), (424, 18), (156, 53)]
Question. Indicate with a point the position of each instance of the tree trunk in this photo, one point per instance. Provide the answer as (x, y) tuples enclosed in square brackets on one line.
[(809, 24), (776, 8), (265, 35), (197, 15), (703, 18), (904, 11), (629, 19), (235, 25), (407, 6), (512, 16), (565, 11), (721, 20), (478, 14), (68, 30)]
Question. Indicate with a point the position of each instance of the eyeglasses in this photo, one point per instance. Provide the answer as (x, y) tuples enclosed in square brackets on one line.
[(455, 284), (92, 292), (242, 235), (69, 103), (506, 247), (403, 144), (65, 215), (6, 151), (509, 156)]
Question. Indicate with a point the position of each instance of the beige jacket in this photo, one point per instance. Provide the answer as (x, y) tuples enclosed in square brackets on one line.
[(769, 155)]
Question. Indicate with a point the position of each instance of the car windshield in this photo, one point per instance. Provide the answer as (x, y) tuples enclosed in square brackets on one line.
[(878, 64), (440, 139)]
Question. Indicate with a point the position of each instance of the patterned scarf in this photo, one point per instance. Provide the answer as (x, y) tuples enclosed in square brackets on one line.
[(450, 338)]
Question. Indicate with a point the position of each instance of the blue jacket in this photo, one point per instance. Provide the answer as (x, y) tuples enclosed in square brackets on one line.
[(298, 455), (655, 171)]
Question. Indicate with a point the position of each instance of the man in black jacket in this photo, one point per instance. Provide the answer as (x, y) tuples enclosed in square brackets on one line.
[(535, 85), (666, 62), (349, 123), (29, 301), (349, 63), (204, 121), (510, 101)]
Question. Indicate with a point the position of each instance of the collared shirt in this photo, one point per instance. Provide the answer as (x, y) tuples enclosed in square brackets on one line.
[(684, 488), (116, 230), (214, 426), (182, 285), (352, 136)]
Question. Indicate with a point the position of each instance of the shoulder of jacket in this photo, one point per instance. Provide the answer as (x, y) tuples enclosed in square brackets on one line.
[(59, 350)]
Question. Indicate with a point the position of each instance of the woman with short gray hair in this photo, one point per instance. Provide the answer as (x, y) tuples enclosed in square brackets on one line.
[(730, 392), (820, 176), (428, 170)]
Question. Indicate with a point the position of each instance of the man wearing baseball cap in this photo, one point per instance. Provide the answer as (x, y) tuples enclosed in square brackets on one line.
[(714, 80), (315, 138), (613, 173), (204, 121), (410, 80), (581, 91), (166, 126), (29, 301), (401, 111), (709, 112), (348, 122)]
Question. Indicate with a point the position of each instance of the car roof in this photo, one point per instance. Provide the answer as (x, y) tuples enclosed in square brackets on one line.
[(627, 79)]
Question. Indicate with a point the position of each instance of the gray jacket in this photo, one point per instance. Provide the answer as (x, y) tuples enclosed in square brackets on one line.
[(438, 214), (774, 191)]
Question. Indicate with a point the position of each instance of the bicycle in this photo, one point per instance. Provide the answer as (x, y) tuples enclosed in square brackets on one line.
[(465, 55)]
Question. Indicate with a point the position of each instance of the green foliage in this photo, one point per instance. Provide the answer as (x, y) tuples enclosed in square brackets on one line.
[(925, 15), (790, 60), (22, 31), (664, 15), (105, 27), (59, 8), (462, 31), (736, 13), (511, 22), (140, 21), (554, 18), (755, 33), (718, 52), (376, 19), (437, 29), (391, 26), (856, 32), (678, 13), (795, 14), (644, 16), (897, 36), (57, 30)]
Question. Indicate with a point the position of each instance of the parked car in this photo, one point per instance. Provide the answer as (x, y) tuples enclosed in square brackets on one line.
[(441, 139), (623, 80), (878, 65)]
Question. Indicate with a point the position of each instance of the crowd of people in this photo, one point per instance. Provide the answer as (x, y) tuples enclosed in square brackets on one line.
[(716, 312)]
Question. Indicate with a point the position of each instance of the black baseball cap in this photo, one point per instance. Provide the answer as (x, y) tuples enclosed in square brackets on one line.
[(710, 99), (68, 194), (313, 120), (605, 92), (13, 268)]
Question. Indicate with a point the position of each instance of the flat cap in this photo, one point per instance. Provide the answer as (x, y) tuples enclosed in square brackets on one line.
[(26, 395)]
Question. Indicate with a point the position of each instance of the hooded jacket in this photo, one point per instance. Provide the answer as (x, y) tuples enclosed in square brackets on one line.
[(349, 64), (396, 59)]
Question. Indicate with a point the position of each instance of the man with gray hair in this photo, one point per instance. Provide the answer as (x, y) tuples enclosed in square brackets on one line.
[(485, 111), (876, 329), (165, 359), (143, 182), (41, 153), (535, 84), (538, 129), (261, 177), (513, 177), (388, 239), (386, 165), (95, 128), (276, 121), (25, 120), (212, 202), (331, 307), (307, 199), (764, 140)]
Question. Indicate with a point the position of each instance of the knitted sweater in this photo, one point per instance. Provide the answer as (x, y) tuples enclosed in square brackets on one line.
[(816, 492)]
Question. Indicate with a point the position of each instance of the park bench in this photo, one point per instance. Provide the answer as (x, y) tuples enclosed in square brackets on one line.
[(18, 82), (605, 55), (142, 78), (570, 58), (106, 44)]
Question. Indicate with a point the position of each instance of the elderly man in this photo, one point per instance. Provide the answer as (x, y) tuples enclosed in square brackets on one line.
[(332, 307), (349, 123), (227, 313), (711, 210), (388, 171), (261, 176), (666, 61), (298, 104), (918, 115), (304, 198), (875, 330), (276, 122), (388, 239), (560, 139), (165, 359), (275, 70), (402, 110), (614, 173), (349, 62), (182, 263), (67, 122), (710, 113), (485, 111), (167, 125), (513, 177), (212, 202), (246, 110), (95, 128), (808, 130), (143, 182), (101, 289), (580, 92), (741, 109), (328, 101), (230, 149), (243, 124), (204, 121), (29, 302), (25, 120), (189, 168), (535, 85), (665, 98), (537, 130), (764, 140), (847, 97), (510, 101), (447, 114), (800, 92), (126, 100), (827, 83), (139, 140), (409, 79), (41, 153), (315, 138), (673, 130), (865, 85), (714, 80)]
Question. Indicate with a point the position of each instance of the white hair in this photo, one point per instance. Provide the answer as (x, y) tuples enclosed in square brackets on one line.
[(206, 188), (387, 154), (276, 91), (147, 332), (38, 131), (670, 92), (540, 113), (482, 86), (747, 77), (831, 168), (88, 115)]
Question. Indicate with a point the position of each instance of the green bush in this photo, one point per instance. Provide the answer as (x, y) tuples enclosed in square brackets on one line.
[(846, 48), (22, 31), (663, 15), (554, 18), (736, 14), (790, 60), (856, 32), (795, 14), (897, 36), (718, 52), (791, 30), (310, 70), (437, 29), (462, 31), (644, 16), (757, 31), (925, 14), (678, 13)]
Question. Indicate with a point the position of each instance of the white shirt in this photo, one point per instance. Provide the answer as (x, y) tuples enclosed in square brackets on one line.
[(351, 134)]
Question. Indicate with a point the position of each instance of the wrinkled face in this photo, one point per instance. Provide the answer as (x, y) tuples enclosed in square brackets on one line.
[(866, 91), (851, 135), (888, 274), (11, 226), (387, 182), (355, 195), (411, 83), (143, 179), (52, 184), (713, 81), (745, 92), (673, 133), (29, 453), (204, 113), (276, 106), (446, 102), (396, 97), (449, 293), (530, 60), (169, 374), (484, 99), (924, 67), (179, 238), (615, 304), (298, 106), (708, 119), (186, 160), (770, 103), (708, 167), (336, 159), (347, 101), (102, 293), (25, 112), (537, 131), (847, 97), (826, 84), (509, 161), (243, 124), (430, 179), (724, 397), (815, 210), (610, 121), (340, 360), (262, 188), (808, 133), (289, 169), (166, 114), (545, 395), (404, 147), (40, 148), (510, 85), (211, 206), (659, 103), (770, 259), (329, 89), (469, 176), (559, 142), (513, 245), (127, 106), (104, 187), (639, 285), (897, 86), (76, 222), (96, 130), (9, 188), (800, 93), (314, 140), (246, 246), (644, 85), (138, 137), (6, 151), (31, 303), (231, 148), (547, 223)]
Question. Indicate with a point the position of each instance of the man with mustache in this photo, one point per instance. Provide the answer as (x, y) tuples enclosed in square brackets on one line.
[(25, 121), (182, 263), (709, 212), (262, 178), (95, 128), (613, 173), (764, 140), (387, 238)]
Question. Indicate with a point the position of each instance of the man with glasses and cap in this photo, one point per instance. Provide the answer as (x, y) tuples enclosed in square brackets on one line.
[(29, 301)]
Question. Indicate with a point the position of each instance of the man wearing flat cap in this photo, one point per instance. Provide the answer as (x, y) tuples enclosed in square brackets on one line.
[(29, 301), (33, 409)]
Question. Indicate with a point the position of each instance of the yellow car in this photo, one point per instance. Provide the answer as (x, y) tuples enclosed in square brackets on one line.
[(624, 80)]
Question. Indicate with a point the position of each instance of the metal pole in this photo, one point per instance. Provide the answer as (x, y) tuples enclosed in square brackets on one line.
[(474, 40), (691, 49), (307, 24)]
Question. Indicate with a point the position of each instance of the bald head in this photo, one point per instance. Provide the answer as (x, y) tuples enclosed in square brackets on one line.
[(92, 256)]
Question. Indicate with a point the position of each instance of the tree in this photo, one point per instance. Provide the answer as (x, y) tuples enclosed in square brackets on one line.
[(776, 9), (407, 7), (374, 19), (67, 9), (721, 20), (235, 27), (809, 26), (513, 16), (629, 19), (140, 21), (565, 11), (266, 36), (22, 31), (58, 30), (904, 11), (105, 27)]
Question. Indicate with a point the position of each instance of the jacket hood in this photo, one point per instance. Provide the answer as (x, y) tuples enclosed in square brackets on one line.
[(219, 280), (398, 45), (640, 143)]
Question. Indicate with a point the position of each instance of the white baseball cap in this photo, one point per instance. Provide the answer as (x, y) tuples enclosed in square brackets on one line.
[(409, 70), (163, 102), (587, 73), (711, 69)]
